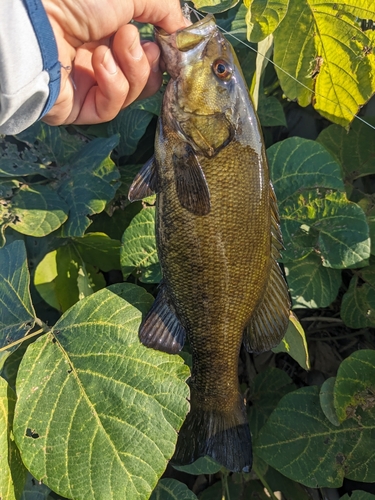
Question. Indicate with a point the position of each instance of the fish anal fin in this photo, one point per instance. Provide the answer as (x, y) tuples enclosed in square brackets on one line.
[(161, 328), (145, 182), (191, 185), (222, 435), (269, 322)]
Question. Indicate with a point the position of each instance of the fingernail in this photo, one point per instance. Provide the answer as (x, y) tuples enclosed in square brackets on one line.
[(109, 63), (135, 49), (155, 65)]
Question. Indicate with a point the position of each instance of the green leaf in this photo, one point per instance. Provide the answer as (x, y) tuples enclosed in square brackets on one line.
[(371, 225), (214, 6), (270, 112), (87, 183), (135, 295), (368, 274), (51, 144), (355, 384), (290, 489), (63, 277), (358, 495), (266, 391), (16, 163), (131, 124), (310, 284), (3, 357), (204, 465), (115, 224), (263, 17), (170, 489), (88, 280), (92, 392), (300, 164), (99, 250), (242, 489), (301, 443), (329, 224), (248, 61), (10, 367), (294, 343), (353, 149), (146, 31), (327, 402), (153, 103), (17, 315), (263, 55), (138, 251), (37, 210), (235, 24), (12, 471), (128, 173), (358, 304), (35, 490), (321, 44)]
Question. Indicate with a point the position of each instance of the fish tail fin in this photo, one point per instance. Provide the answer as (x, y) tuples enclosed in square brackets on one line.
[(224, 435)]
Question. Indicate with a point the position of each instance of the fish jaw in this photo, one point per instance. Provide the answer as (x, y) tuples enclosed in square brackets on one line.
[(185, 45)]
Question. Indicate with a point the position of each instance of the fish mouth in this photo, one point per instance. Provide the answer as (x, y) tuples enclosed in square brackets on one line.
[(178, 48)]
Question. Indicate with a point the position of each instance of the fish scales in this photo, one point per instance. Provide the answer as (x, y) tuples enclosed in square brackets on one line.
[(218, 238), (208, 281)]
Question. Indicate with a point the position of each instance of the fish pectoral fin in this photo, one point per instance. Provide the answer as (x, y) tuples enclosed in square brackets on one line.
[(269, 322), (161, 329), (145, 182), (191, 185)]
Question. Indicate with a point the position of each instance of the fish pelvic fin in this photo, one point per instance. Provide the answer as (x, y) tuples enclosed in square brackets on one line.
[(223, 435), (161, 329), (145, 182), (268, 324)]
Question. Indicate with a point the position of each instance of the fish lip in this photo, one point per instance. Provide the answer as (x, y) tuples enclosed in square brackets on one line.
[(193, 28)]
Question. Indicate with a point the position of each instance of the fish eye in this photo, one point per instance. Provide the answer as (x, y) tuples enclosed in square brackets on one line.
[(222, 69)]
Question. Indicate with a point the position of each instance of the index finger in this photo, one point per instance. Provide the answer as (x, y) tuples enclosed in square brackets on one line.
[(166, 14)]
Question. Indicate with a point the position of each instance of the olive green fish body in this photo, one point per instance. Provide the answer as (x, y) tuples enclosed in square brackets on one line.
[(206, 261), (218, 238)]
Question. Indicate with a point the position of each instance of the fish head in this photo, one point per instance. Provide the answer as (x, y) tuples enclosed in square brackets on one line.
[(204, 100)]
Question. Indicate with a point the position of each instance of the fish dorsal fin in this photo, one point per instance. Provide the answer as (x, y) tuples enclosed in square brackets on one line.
[(209, 133), (161, 328), (145, 182), (191, 185), (270, 320), (276, 236)]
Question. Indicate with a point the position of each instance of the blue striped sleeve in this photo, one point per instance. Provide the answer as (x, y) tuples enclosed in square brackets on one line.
[(48, 49)]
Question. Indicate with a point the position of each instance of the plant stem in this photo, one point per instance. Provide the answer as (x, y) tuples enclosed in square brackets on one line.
[(322, 318), (44, 329), (264, 482), (225, 487)]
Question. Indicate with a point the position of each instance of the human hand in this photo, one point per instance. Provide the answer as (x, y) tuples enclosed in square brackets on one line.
[(105, 66)]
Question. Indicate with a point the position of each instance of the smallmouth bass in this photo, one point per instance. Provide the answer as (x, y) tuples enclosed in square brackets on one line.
[(218, 238)]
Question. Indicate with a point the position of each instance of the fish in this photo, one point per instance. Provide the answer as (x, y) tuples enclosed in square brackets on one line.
[(218, 238)]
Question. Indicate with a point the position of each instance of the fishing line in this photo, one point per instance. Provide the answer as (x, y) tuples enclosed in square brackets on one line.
[(313, 92)]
